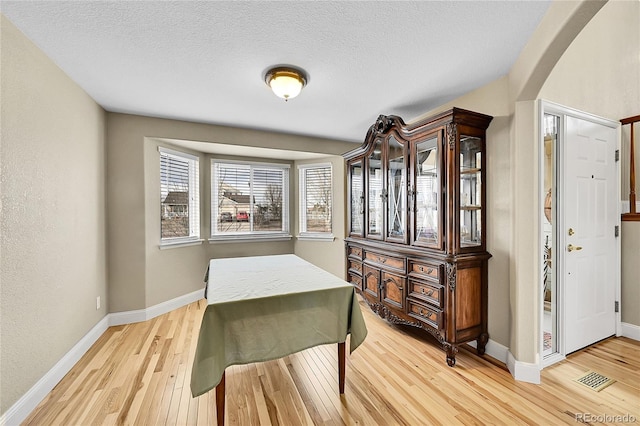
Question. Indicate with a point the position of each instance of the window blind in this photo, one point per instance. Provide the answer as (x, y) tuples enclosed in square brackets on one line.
[(249, 198), (179, 196), (315, 199)]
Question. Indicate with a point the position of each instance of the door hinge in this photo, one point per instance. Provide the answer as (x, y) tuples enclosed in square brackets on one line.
[(617, 306), (616, 232), (617, 155)]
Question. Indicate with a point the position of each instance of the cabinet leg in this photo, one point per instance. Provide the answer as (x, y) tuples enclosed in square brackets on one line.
[(452, 350), (482, 343)]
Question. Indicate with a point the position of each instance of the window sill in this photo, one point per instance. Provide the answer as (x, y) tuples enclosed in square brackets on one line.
[(182, 243), (310, 236), (248, 238)]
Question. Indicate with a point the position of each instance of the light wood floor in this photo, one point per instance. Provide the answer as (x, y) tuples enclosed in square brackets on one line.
[(139, 374)]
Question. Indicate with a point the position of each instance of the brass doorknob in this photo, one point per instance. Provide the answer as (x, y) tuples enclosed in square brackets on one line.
[(571, 247)]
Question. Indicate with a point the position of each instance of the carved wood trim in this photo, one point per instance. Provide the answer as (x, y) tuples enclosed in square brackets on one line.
[(383, 124), (451, 135), (451, 276), (384, 312)]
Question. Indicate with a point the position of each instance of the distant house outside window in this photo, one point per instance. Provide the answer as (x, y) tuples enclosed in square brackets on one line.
[(316, 204), (179, 197), (249, 200)]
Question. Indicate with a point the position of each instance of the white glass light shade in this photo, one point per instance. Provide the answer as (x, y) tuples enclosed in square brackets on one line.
[(286, 83)]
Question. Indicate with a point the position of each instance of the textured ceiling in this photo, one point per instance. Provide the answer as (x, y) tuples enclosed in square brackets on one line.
[(204, 61)]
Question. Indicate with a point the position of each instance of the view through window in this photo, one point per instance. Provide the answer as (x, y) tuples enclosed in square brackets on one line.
[(249, 198), (179, 196), (315, 198)]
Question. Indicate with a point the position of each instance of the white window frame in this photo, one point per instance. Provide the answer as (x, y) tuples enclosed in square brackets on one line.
[(283, 235), (302, 179), (194, 200)]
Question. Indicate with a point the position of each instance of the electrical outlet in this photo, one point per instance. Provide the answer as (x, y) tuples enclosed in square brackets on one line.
[(97, 303)]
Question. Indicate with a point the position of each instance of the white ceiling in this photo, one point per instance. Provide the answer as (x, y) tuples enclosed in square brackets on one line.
[(204, 61)]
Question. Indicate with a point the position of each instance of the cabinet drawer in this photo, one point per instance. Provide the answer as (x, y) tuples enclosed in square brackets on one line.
[(356, 281), (429, 316), (354, 252), (431, 293), (354, 266), (383, 260), (424, 270)]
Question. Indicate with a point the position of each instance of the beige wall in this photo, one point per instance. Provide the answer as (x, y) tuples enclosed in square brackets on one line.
[(173, 272), (328, 255), (53, 245), (630, 240), (140, 274)]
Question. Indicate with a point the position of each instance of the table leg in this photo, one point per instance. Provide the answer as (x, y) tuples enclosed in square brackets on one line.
[(220, 401), (341, 366)]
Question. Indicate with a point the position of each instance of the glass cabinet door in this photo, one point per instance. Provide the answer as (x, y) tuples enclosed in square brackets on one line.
[(470, 191), (357, 198), (375, 195), (396, 191), (426, 192)]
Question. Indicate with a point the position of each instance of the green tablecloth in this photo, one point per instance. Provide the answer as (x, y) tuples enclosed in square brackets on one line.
[(266, 307)]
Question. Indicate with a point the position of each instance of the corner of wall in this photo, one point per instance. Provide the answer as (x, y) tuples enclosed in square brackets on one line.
[(523, 371)]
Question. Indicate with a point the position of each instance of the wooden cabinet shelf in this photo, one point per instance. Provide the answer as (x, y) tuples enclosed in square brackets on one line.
[(469, 171), (416, 247)]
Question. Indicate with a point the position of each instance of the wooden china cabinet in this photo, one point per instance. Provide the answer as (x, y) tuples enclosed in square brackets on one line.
[(416, 246)]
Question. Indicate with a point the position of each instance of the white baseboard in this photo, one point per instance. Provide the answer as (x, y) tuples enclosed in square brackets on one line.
[(630, 330), (129, 317), (523, 371), (494, 350), (30, 400)]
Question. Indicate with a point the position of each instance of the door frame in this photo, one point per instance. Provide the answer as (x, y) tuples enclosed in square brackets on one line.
[(559, 238)]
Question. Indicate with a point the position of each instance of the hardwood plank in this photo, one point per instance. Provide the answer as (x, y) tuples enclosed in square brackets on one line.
[(139, 374)]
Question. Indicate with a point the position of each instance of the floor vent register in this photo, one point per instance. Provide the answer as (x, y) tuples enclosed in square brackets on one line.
[(594, 381)]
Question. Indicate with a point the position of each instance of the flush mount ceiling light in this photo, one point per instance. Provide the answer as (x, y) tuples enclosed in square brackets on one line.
[(285, 81)]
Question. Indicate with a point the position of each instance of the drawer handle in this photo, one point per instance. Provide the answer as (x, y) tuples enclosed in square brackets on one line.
[(382, 259), (429, 271), (428, 293), (427, 315), (391, 280)]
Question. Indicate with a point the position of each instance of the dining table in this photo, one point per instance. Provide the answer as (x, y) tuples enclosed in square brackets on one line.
[(261, 308)]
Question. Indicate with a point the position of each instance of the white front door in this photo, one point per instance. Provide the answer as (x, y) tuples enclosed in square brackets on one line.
[(590, 217)]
